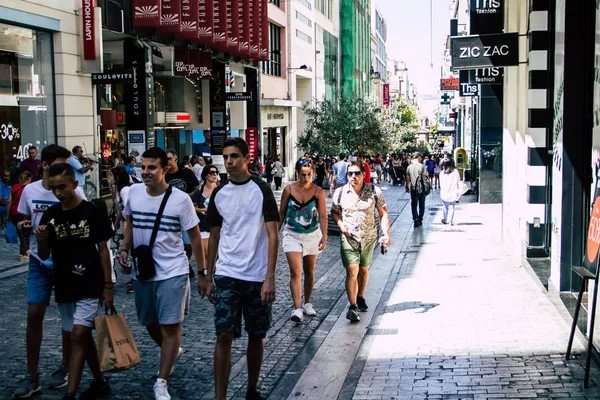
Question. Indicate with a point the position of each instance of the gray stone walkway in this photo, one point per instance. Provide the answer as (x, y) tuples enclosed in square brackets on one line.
[(462, 319)]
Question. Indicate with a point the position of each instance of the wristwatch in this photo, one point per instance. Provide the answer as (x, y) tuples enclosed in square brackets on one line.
[(203, 272)]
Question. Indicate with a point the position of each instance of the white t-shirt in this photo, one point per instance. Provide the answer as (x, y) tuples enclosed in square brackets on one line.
[(179, 214), (450, 186), (242, 210), (197, 169), (123, 197), (34, 201)]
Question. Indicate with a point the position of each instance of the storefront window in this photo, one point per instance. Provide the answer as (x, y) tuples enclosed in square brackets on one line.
[(27, 116)]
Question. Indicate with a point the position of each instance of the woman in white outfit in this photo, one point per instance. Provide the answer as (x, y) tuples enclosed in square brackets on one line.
[(450, 190)]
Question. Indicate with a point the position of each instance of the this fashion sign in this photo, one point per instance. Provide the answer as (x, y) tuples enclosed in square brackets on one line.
[(146, 13)]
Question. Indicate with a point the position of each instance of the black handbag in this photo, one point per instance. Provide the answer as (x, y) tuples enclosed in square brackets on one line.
[(143, 260)]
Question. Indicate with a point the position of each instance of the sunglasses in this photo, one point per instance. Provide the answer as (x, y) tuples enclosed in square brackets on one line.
[(354, 173), (305, 162), (213, 173)]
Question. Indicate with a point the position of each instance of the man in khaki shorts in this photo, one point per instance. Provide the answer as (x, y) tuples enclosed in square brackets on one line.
[(353, 210)]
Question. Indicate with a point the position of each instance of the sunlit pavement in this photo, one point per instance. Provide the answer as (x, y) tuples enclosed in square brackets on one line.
[(452, 316), (459, 318)]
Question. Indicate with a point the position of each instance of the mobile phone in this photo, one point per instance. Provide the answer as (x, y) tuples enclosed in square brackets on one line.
[(383, 249)]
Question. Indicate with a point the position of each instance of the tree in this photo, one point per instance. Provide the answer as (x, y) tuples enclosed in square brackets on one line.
[(402, 127), (349, 124)]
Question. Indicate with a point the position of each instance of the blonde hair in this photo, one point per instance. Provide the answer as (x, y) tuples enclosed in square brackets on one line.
[(24, 176)]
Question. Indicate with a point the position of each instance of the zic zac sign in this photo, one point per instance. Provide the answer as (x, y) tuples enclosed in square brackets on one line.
[(593, 240)]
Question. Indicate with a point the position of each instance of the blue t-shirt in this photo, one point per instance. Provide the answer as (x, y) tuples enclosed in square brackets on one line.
[(76, 164), (430, 166), (340, 169)]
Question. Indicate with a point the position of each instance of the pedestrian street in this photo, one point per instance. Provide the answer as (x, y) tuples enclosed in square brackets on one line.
[(452, 316)]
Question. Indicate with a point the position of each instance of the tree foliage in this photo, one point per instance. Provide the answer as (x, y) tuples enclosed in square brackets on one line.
[(402, 127), (349, 124)]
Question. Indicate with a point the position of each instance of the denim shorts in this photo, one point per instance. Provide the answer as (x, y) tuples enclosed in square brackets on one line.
[(234, 298), (40, 281), (164, 302), (81, 312)]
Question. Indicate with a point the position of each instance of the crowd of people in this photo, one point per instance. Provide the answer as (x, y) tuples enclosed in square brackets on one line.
[(171, 210)]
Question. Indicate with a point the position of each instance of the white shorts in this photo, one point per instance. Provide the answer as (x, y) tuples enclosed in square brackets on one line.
[(305, 243), (205, 235), (82, 312)]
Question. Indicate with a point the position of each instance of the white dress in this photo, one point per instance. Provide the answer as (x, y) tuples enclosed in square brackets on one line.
[(450, 187)]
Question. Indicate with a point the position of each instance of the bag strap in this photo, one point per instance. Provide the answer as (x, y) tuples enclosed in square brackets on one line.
[(161, 209)]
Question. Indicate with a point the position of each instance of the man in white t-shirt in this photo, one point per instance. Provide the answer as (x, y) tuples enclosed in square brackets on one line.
[(244, 218), (37, 198), (198, 167), (162, 300)]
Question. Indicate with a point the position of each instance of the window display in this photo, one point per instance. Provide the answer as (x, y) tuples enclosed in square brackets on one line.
[(27, 116)]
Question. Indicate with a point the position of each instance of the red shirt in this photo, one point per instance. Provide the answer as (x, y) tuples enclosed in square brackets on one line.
[(367, 173), (16, 192)]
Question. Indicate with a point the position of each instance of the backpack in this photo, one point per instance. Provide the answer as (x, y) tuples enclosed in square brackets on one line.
[(423, 184)]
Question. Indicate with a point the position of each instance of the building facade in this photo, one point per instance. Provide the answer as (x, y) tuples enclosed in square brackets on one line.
[(45, 98), (379, 75), (355, 48)]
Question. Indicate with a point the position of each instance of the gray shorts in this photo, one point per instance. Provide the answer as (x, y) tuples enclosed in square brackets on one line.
[(164, 302), (81, 312)]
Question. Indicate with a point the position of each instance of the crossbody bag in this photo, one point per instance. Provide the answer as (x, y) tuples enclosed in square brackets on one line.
[(143, 260)]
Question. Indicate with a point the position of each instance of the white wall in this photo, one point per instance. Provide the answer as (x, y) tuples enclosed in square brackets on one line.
[(515, 129)]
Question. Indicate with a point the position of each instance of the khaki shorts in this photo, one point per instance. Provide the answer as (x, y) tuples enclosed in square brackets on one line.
[(305, 243), (361, 256)]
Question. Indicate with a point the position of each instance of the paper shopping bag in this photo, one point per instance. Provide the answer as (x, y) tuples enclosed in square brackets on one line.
[(117, 350)]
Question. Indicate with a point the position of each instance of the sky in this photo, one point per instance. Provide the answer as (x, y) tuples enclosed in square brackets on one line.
[(408, 39)]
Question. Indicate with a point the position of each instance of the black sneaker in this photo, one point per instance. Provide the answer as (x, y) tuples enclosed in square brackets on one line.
[(27, 387), (129, 288), (97, 390), (59, 378), (417, 224), (352, 314), (361, 304), (252, 394), (69, 396)]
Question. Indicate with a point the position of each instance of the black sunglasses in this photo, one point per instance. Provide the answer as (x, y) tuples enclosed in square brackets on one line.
[(213, 172), (354, 173)]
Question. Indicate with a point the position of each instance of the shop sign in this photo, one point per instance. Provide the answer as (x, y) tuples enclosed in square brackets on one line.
[(483, 76), (220, 23), (276, 116), (386, 94), (238, 96), (244, 28), (252, 140), (469, 52), (170, 21), (9, 132), (218, 104), (487, 16), (89, 29), (192, 63), (105, 151), (110, 77), (146, 13), (254, 11), (189, 19), (217, 140), (233, 22), (139, 98), (468, 90), (451, 83), (263, 50), (205, 22), (136, 144), (177, 117)]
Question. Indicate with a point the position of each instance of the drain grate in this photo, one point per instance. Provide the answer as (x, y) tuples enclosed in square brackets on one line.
[(382, 332)]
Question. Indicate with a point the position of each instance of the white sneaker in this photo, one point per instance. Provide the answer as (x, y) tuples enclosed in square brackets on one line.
[(179, 353), (160, 390), (297, 315), (309, 310)]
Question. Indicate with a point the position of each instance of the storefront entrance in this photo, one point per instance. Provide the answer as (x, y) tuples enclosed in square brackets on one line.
[(27, 116)]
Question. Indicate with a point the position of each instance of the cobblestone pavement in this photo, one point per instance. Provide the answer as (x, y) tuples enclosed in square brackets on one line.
[(462, 319), (193, 375)]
